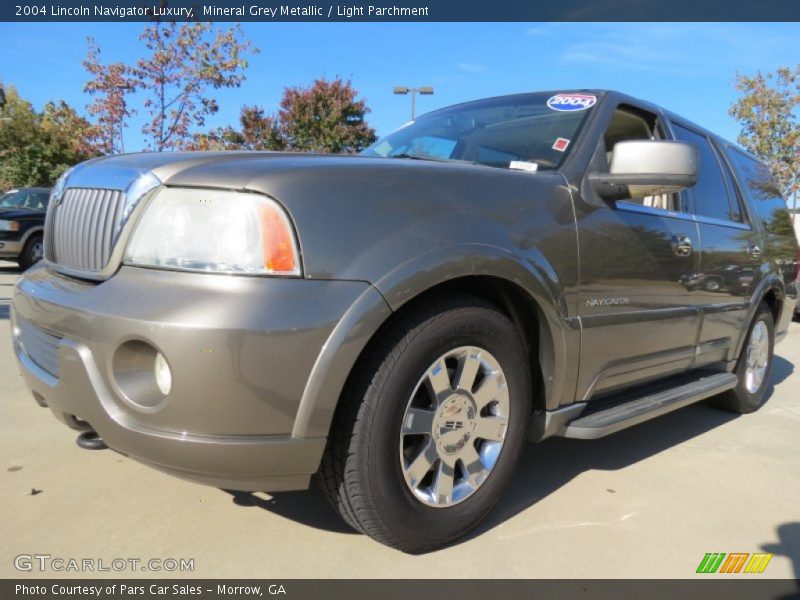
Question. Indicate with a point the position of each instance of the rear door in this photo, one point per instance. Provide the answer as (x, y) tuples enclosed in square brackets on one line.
[(729, 253)]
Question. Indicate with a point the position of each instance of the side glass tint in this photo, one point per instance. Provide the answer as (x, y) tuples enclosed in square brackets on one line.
[(709, 194)]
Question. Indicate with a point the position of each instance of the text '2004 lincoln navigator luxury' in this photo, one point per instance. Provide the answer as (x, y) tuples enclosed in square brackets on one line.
[(399, 323)]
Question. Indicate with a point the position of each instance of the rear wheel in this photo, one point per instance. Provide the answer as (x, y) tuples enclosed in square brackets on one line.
[(430, 427), (32, 253), (754, 366)]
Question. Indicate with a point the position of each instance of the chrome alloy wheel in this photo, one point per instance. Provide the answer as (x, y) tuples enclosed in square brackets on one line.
[(37, 251), (454, 426), (757, 357)]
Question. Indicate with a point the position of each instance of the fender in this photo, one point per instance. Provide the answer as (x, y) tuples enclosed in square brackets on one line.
[(30, 232), (414, 277), (334, 363), (534, 276), (771, 282)]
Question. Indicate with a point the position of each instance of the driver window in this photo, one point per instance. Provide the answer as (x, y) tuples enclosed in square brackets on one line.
[(630, 124)]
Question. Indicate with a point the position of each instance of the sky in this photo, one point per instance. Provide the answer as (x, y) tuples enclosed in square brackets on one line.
[(686, 67)]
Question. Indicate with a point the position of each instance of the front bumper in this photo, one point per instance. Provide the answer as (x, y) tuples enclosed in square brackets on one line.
[(241, 350)]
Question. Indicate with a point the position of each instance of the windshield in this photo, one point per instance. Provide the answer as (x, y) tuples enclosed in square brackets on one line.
[(526, 131), (27, 199)]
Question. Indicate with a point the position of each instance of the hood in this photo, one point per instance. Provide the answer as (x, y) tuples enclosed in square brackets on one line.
[(18, 214), (233, 170), (355, 214)]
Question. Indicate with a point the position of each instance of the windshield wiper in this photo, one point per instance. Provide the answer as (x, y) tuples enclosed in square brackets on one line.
[(431, 158), (418, 157)]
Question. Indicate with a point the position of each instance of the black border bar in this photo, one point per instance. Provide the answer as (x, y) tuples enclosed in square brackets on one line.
[(747, 587), (399, 10)]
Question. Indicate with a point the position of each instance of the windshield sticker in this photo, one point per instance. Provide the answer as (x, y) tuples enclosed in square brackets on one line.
[(570, 102), (522, 165), (561, 144)]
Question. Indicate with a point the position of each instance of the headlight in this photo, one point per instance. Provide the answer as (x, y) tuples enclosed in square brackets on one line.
[(214, 231), (9, 226)]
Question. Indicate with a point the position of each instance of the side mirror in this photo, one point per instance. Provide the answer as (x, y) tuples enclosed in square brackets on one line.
[(647, 168)]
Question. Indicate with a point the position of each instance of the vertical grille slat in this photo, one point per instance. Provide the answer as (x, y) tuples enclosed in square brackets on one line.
[(87, 252), (80, 248), (81, 231), (91, 235), (108, 228)]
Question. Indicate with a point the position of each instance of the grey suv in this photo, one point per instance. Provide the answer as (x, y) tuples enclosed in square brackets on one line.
[(399, 323)]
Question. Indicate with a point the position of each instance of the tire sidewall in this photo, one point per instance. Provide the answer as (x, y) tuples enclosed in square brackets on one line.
[(399, 508), (752, 402), (26, 259)]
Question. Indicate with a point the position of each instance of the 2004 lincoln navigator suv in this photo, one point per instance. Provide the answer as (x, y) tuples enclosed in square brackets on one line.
[(399, 323)]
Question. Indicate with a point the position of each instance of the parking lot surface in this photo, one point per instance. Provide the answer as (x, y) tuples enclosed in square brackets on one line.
[(650, 501)]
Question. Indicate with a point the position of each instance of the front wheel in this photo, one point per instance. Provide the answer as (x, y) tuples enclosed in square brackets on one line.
[(431, 426), (32, 253), (754, 366)]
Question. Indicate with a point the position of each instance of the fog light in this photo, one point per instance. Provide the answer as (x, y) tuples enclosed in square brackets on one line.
[(142, 374), (163, 374)]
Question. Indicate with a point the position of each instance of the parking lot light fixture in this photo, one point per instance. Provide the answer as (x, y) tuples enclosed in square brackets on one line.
[(424, 90)]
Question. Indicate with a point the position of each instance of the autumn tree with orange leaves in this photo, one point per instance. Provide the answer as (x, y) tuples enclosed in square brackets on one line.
[(181, 67), (327, 116), (768, 109), (109, 87), (37, 146)]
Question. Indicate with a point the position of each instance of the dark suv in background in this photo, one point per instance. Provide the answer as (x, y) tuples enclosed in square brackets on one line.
[(22, 213)]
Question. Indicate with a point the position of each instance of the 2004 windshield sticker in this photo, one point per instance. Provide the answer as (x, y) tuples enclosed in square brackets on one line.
[(571, 102)]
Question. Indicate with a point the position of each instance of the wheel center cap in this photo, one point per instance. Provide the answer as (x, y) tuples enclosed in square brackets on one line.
[(454, 424)]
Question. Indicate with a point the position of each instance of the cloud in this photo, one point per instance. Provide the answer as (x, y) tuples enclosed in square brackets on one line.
[(685, 48), (474, 68), (639, 56), (537, 31)]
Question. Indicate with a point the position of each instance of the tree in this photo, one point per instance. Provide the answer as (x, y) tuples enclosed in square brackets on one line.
[(110, 85), (36, 147), (182, 64), (325, 117), (69, 135), (258, 132), (185, 62), (767, 110)]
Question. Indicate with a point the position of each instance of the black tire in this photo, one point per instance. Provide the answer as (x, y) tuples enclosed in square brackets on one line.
[(361, 472), (30, 253), (740, 400)]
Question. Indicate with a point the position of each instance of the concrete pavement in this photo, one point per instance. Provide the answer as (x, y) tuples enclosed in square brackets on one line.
[(646, 502)]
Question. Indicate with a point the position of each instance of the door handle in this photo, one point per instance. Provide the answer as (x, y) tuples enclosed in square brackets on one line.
[(682, 245), (754, 251)]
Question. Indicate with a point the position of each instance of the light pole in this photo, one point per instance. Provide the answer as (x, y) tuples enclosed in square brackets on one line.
[(402, 90)]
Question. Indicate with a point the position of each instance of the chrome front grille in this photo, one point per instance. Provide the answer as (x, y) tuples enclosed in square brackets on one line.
[(40, 345), (81, 230)]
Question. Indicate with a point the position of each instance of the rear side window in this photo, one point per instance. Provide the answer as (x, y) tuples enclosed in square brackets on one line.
[(710, 194), (763, 192)]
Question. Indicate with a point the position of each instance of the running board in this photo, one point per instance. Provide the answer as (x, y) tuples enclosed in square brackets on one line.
[(621, 415)]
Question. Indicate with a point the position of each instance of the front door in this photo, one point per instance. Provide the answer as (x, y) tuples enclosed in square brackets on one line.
[(637, 311)]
